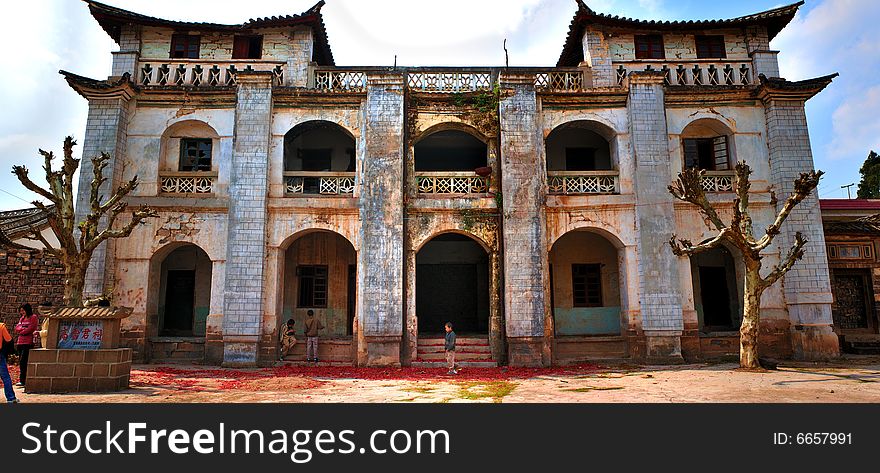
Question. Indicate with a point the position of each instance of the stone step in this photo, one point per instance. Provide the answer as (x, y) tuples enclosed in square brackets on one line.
[(320, 363), (458, 348), (463, 364), (458, 356)]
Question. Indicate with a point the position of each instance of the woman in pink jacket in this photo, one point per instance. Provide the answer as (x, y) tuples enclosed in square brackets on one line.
[(25, 329)]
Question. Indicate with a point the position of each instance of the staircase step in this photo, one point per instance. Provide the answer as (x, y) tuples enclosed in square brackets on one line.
[(458, 356), (320, 363), (458, 347), (463, 364)]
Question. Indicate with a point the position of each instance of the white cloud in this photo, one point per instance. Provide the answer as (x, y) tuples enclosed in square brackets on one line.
[(856, 126)]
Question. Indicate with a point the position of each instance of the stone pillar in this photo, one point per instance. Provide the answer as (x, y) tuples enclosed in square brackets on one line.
[(598, 59), (807, 287), (659, 289), (106, 132), (126, 59), (764, 60), (525, 227), (246, 238), (297, 73), (380, 306)]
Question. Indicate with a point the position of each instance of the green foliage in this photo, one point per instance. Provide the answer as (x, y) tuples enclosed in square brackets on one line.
[(485, 101), (869, 187)]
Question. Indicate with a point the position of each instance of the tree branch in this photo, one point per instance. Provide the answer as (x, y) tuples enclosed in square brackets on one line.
[(137, 218), (686, 248), (21, 173), (689, 188), (794, 254), (741, 217), (37, 235), (803, 186)]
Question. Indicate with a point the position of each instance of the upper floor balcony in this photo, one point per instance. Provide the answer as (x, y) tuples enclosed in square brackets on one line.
[(202, 72), (717, 72)]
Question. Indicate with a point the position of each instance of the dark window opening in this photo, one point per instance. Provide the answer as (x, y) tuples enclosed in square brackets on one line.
[(580, 159), (195, 154), (711, 47), (247, 47), (315, 159), (711, 154), (185, 46), (650, 47), (449, 150), (312, 286), (586, 285)]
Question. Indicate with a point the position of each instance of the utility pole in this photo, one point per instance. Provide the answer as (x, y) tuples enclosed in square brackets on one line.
[(848, 195)]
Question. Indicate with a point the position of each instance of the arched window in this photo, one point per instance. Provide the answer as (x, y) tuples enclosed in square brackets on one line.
[(579, 146), (319, 158), (189, 158), (450, 150), (707, 144)]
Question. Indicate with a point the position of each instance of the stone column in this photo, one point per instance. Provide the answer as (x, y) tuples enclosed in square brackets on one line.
[(659, 289), (598, 59), (106, 132), (525, 223), (246, 238), (807, 287), (380, 305), (126, 59), (297, 73)]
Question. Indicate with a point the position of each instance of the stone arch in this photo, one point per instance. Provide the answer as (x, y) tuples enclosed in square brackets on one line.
[(191, 130), (179, 288), (588, 283), (582, 145), (450, 147), (323, 144), (609, 235), (417, 245), (708, 142)]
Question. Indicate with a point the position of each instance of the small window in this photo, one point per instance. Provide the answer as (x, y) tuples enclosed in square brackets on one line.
[(580, 159), (710, 154), (195, 154), (312, 286), (185, 46), (586, 285), (650, 47), (711, 47), (247, 47)]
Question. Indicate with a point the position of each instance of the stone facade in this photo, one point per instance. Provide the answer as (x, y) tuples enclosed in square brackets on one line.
[(440, 193)]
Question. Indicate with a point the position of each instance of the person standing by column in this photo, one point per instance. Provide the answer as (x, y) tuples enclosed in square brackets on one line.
[(27, 325), (5, 350), (288, 339), (312, 327), (449, 347)]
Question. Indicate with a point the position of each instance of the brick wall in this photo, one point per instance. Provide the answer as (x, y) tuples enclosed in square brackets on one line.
[(28, 276)]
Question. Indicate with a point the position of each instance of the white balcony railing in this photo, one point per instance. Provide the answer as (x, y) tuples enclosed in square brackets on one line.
[(556, 81), (319, 183), (696, 73), (187, 183), (341, 81), (718, 181), (451, 183), (451, 81), (583, 182), (201, 72)]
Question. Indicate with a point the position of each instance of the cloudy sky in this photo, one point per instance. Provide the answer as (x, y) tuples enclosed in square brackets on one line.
[(42, 36)]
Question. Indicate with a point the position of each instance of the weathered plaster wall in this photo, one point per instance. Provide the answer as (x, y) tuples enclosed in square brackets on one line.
[(278, 44), (621, 44)]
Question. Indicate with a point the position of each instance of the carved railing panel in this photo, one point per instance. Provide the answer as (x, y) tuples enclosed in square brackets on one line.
[(319, 183), (450, 81), (718, 181), (199, 183), (341, 81), (583, 182), (200, 72), (697, 73), (451, 183)]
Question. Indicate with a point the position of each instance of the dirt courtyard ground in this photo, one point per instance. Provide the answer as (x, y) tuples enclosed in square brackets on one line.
[(855, 379)]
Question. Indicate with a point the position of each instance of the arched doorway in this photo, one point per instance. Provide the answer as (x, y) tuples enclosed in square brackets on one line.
[(717, 290), (586, 271), (320, 276), (452, 285), (184, 295)]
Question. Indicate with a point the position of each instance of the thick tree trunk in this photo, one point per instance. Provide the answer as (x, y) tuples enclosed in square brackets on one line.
[(748, 332), (75, 283)]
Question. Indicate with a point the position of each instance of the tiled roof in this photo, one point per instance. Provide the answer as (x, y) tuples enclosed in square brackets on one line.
[(15, 224), (88, 312), (572, 53), (112, 18), (864, 226)]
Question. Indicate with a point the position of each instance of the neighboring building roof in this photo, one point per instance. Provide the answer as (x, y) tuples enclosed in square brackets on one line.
[(87, 312), (572, 53), (111, 19), (15, 224), (850, 204), (863, 226)]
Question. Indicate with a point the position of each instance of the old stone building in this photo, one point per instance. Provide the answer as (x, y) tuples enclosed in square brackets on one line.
[(529, 206)]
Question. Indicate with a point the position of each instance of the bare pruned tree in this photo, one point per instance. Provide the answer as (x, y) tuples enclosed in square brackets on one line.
[(740, 235), (76, 252)]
